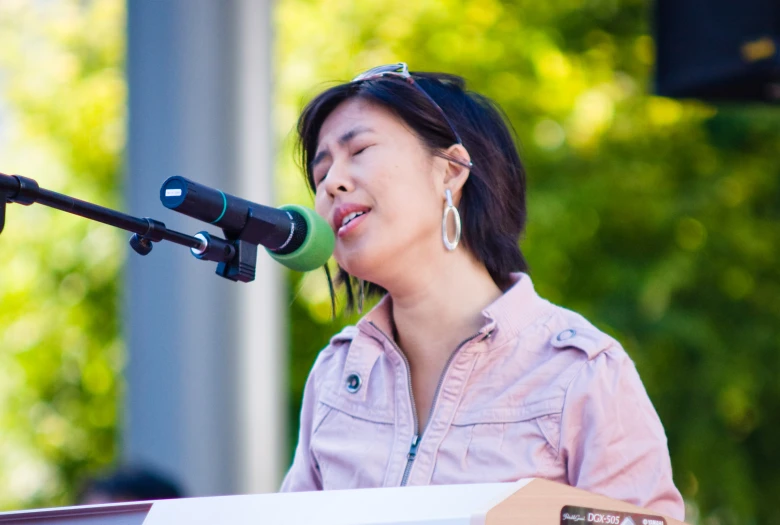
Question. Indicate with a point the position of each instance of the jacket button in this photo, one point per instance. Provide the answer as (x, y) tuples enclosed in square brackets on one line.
[(566, 334), (353, 383)]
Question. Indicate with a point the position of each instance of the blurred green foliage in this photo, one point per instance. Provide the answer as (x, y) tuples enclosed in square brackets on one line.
[(657, 219), (61, 123)]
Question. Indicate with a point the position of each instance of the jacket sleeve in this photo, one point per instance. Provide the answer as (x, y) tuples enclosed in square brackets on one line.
[(304, 475), (612, 439)]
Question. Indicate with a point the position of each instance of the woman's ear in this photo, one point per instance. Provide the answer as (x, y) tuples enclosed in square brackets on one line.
[(458, 169)]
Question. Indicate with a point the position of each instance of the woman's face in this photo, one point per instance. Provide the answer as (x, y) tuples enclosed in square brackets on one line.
[(381, 191)]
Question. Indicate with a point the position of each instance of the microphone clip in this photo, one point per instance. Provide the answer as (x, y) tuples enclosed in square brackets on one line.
[(236, 259)]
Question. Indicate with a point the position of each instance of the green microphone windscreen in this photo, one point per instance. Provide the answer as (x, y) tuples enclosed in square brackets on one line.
[(316, 248)]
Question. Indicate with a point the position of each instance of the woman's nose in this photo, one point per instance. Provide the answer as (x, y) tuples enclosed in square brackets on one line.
[(338, 180)]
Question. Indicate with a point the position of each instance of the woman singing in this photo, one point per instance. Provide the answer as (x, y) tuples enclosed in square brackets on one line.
[(461, 373)]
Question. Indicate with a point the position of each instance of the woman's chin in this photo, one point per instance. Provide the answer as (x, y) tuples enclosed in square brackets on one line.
[(360, 263)]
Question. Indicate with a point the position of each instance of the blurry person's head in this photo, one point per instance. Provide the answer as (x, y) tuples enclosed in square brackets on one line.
[(381, 153), (128, 484)]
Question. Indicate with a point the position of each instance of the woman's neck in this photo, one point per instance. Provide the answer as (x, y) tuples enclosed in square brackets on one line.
[(437, 309)]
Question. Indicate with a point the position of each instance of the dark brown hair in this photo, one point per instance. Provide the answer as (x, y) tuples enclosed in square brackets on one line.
[(492, 206)]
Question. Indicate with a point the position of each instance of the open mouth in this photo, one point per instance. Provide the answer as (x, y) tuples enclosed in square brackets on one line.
[(351, 221), (352, 216)]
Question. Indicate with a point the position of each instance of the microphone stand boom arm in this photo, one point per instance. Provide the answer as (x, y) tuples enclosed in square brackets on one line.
[(232, 263)]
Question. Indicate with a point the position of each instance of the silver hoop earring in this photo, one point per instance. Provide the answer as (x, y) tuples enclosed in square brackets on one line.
[(361, 296), (450, 208)]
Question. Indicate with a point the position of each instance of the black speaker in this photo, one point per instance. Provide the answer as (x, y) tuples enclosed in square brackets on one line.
[(718, 50)]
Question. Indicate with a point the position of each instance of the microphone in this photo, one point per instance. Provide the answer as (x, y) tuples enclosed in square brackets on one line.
[(293, 235)]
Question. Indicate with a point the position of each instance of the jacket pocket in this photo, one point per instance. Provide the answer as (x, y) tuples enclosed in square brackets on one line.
[(501, 444), (515, 414), (351, 451)]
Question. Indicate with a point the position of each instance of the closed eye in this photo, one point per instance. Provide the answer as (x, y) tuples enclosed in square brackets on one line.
[(361, 150), (318, 178)]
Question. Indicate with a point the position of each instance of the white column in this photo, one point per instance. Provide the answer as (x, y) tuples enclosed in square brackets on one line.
[(205, 355)]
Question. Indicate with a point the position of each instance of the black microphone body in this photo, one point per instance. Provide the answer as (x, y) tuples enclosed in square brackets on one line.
[(282, 231)]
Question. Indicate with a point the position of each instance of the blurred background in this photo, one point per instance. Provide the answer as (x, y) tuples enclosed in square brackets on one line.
[(657, 218)]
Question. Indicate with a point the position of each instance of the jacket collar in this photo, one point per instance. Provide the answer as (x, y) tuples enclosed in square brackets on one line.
[(517, 308)]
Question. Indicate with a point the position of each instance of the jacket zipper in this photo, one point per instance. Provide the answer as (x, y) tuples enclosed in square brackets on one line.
[(410, 458), (417, 434)]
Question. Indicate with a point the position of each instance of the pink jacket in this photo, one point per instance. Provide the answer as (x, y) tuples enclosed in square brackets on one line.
[(537, 392)]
